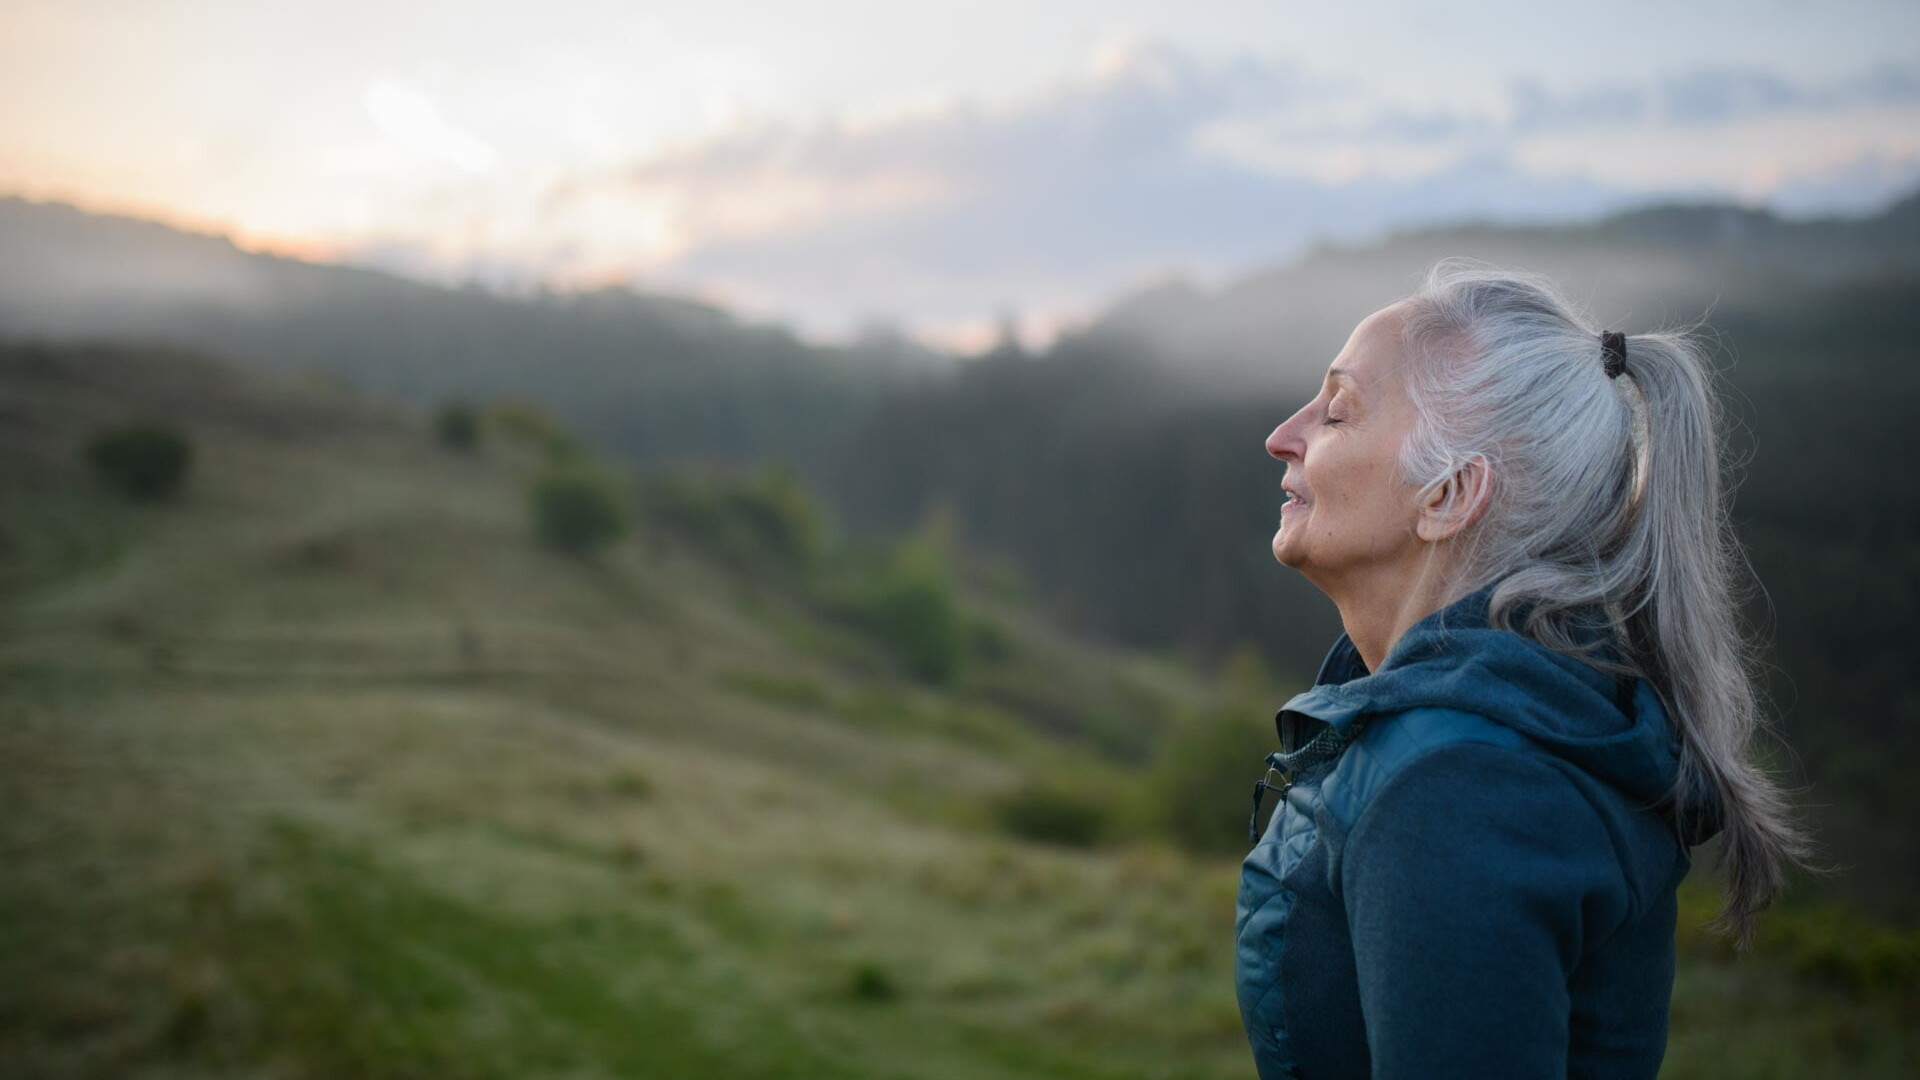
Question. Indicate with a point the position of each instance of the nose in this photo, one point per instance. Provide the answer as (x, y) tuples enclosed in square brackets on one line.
[(1284, 443)]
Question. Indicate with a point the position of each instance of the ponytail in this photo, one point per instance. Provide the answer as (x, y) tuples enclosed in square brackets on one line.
[(1681, 625)]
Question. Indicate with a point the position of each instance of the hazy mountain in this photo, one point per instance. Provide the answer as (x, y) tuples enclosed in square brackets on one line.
[(642, 374), (1661, 264)]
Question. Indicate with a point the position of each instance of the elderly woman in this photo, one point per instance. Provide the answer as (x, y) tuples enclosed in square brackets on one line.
[(1540, 702)]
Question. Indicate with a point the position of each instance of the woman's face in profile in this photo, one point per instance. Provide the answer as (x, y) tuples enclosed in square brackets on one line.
[(1351, 510)]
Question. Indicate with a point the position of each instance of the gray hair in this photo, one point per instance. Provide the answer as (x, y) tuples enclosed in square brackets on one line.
[(1606, 494)]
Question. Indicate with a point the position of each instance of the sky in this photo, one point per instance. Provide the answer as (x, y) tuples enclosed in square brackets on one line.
[(943, 166)]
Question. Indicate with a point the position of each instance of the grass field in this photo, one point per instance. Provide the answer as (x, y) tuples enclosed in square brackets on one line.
[(327, 770)]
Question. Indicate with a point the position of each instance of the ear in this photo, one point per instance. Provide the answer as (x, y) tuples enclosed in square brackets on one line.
[(1455, 503)]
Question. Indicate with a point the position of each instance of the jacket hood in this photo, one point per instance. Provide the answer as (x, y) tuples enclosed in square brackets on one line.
[(1615, 730)]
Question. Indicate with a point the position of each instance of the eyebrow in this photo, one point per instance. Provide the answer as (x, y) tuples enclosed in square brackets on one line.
[(1341, 374)]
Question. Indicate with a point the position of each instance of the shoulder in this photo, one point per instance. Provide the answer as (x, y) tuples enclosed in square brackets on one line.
[(1392, 743), (1459, 803), (1459, 780), (1467, 783)]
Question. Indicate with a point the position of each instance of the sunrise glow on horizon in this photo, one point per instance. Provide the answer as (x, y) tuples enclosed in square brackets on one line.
[(837, 163)]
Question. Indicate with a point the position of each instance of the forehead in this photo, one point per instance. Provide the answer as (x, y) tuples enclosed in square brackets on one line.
[(1372, 352)]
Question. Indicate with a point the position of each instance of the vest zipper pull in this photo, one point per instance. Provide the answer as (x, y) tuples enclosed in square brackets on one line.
[(1260, 789)]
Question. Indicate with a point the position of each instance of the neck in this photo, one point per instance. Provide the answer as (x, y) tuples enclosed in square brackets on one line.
[(1378, 609)]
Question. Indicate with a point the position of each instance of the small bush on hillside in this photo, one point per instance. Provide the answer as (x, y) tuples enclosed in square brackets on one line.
[(142, 461), (912, 605), (1052, 813), (989, 640), (767, 520), (530, 424), (870, 982), (631, 783), (781, 515), (576, 509), (457, 426)]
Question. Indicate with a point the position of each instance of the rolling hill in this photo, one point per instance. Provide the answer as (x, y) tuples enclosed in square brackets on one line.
[(326, 768)]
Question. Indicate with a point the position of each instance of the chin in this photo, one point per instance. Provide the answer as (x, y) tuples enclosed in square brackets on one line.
[(1280, 553)]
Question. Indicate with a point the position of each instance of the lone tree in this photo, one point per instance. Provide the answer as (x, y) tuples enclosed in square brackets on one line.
[(913, 603), (576, 509), (458, 426), (144, 461)]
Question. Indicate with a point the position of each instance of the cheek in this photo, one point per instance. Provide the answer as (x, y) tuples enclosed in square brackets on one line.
[(1367, 496)]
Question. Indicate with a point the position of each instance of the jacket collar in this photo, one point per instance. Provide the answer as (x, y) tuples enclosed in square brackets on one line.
[(1615, 729), (1331, 702)]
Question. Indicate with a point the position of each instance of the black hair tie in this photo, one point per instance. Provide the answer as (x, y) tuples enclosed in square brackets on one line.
[(1613, 345)]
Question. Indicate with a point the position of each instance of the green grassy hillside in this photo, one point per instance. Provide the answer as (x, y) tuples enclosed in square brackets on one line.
[(325, 768)]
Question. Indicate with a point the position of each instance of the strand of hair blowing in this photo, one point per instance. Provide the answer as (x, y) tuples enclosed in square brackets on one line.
[(1503, 367)]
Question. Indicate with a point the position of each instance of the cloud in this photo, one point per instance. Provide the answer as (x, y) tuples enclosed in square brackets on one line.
[(954, 212), (1137, 110), (1706, 97), (1153, 161), (414, 119)]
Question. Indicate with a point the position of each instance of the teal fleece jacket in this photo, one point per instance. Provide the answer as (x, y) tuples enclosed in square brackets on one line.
[(1472, 871)]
